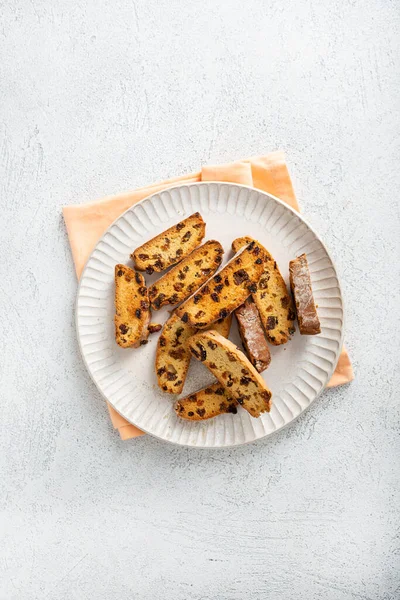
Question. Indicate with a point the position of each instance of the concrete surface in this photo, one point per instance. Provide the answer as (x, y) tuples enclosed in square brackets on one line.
[(99, 97)]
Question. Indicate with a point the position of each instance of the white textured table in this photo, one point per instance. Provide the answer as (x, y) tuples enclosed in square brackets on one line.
[(102, 96)]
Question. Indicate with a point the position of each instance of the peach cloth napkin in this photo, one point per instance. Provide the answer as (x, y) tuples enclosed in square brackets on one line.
[(86, 223)]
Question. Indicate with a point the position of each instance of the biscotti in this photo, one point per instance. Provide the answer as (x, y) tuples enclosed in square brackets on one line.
[(300, 283), (272, 299), (186, 277), (222, 326), (226, 290), (206, 404), (252, 335), (173, 355), (233, 370), (132, 308), (171, 246)]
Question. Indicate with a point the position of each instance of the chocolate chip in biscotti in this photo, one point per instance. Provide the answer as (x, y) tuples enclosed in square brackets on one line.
[(173, 355), (300, 282), (186, 277), (227, 363), (252, 335), (131, 315), (272, 298), (206, 404), (170, 246)]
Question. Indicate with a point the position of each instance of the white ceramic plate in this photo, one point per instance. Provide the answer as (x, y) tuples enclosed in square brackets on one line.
[(299, 370)]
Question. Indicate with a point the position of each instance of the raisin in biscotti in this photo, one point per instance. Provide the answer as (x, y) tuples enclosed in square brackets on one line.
[(154, 327), (186, 277), (227, 290), (171, 246), (233, 370), (173, 355), (300, 282), (252, 335), (272, 299), (206, 404), (132, 308)]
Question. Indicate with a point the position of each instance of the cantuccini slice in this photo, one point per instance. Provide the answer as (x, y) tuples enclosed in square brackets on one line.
[(171, 246), (300, 282), (132, 308), (212, 400), (233, 370), (186, 277), (252, 335), (206, 404), (222, 326), (173, 355), (272, 299), (226, 290)]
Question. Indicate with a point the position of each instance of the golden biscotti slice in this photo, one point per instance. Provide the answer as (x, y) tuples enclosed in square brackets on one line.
[(233, 370), (132, 308), (272, 299), (222, 326), (173, 355), (215, 399), (206, 404), (226, 290), (300, 282), (186, 277), (170, 246)]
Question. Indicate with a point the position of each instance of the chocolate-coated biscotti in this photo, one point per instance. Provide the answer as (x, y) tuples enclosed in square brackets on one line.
[(300, 282), (252, 335)]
